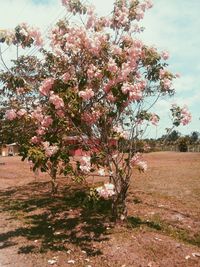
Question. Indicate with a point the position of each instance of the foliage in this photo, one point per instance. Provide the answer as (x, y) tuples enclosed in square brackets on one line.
[(89, 92), (183, 144)]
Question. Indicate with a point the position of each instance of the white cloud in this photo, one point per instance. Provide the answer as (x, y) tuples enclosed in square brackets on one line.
[(186, 83)]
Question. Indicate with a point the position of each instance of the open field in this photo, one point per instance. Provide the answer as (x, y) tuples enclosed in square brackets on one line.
[(163, 228)]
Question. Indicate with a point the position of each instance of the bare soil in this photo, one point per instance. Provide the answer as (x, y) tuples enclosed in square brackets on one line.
[(163, 228)]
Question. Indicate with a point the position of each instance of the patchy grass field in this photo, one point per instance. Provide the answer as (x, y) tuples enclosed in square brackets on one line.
[(163, 223)]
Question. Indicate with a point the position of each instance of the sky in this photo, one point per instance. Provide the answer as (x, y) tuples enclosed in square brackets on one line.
[(171, 25)]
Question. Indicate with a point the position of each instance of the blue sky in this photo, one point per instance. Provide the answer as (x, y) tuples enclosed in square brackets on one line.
[(171, 25)]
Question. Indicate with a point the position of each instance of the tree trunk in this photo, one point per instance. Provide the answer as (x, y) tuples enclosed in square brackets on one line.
[(119, 209), (54, 184)]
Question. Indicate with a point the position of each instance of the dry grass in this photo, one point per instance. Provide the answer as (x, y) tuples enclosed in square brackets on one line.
[(162, 230)]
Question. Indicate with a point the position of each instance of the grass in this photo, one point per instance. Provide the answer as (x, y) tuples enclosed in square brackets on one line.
[(71, 214), (70, 218), (156, 224)]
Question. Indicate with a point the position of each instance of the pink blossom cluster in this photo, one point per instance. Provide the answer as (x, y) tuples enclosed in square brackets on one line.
[(134, 52), (91, 117), (46, 86), (107, 86), (85, 164), (106, 191), (7, 36), (121, 132), (76, 39), (110, 97), (41, 131), (13, 114), (135, 92), (37, 114), (139, 162), (23, 34), (154, 119), (102, 172), (163, 73), (66, 77), (30, 33), (165, 55), (186, 116), (165, 79), (50, 150), (87, 94), (20, 90), (141, 8), (112, 66), (181, 115), (43, 122), (65, 2), (36, 140), (116, 50), (94, 72), (56, 101), (120, 16), (47, 121), (167, 84), (73, 6), (92, 19)]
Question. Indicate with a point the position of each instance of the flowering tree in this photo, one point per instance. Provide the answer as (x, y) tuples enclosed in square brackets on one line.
[(95, 83)]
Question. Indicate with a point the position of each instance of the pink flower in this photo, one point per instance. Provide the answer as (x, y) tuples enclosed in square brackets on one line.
[(60, 113), (101, 172), (186, 116), (41, 131), (112, 66), (142, 166), (66, 77), (154, 119), (116, 50), (19, 90), (139, 14), (91, 21), (138, 162), (46, 86), (162, 73), (167, 83), (87, 94), (46, 144), (65, 2), (37, 114), (106, 191), (110, 97), (10, 114), (148, 4), (94, 72), (56, 101), (35, 140), (127, 87), (85, 164), (50, 150), (36, 35), (165, 55), (91, 117), (122, 133), (135, 91), (21, 112), (47, 121)]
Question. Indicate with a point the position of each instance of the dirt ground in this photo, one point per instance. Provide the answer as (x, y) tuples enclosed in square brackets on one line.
[(163, 228)]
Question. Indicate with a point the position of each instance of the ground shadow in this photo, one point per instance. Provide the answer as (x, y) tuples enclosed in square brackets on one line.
[(136, 222), (53, 223)]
